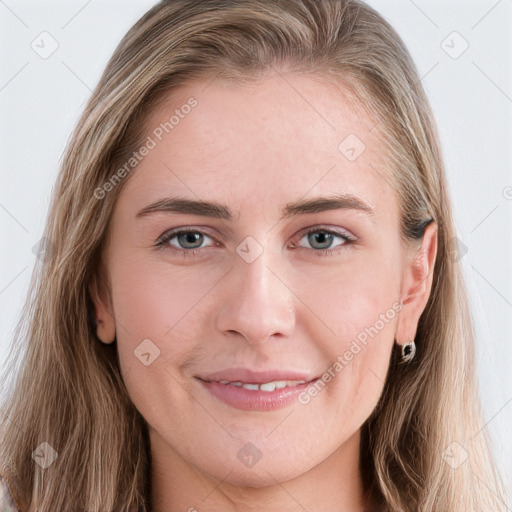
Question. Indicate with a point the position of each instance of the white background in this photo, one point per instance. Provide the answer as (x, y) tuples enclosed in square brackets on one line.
[(41, 100)]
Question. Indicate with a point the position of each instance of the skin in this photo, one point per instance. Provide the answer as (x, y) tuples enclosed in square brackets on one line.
[(256, 148)]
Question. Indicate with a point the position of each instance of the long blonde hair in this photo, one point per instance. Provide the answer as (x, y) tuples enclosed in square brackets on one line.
[(67, 389)]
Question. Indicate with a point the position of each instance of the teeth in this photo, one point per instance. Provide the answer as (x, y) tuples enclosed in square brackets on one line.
[(265, 386), (268, 386), (254, 387)]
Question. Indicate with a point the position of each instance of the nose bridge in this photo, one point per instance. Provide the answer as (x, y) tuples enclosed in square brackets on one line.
[(257, 304)]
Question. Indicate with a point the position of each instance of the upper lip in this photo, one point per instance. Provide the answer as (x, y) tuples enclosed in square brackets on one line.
[(256, 377)]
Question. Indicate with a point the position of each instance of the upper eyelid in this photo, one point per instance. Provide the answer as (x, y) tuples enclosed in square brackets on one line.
[(334, 231)]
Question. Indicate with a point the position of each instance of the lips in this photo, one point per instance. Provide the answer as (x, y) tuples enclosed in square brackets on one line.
[(249, 390), (246, 376)]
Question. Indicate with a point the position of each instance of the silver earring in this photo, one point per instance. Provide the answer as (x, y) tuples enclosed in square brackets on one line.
[(408, 351)]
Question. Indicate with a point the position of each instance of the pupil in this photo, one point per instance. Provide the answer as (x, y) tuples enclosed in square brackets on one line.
[(188, 240), (323, 239)]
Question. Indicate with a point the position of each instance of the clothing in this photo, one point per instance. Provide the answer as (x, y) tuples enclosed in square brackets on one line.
[(7, 503)]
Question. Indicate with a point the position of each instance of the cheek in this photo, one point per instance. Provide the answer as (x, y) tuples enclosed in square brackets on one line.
[(359, 302), (357, 385), (153, 298), (156, 308), (353, 295)]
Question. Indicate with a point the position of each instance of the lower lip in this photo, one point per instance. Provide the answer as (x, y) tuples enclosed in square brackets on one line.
[(255, 400)]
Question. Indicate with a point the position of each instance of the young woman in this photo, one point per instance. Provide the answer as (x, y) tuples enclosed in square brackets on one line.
[(249, 300)]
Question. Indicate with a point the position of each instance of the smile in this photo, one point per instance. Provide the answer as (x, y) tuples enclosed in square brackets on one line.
[(265, 386), (256, 396)]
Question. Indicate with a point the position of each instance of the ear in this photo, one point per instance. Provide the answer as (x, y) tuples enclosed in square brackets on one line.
[(416, 284), (103, 311)]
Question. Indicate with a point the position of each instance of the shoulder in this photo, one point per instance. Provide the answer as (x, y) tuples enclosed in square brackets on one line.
[(7, 503)]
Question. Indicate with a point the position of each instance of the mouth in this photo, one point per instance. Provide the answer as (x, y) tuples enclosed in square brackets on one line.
[(251, 391), (267, 387)]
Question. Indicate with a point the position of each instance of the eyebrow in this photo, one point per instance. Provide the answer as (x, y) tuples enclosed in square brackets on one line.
[(292, 209)]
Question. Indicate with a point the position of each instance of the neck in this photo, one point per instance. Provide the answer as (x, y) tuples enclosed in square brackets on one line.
[(334, 485)]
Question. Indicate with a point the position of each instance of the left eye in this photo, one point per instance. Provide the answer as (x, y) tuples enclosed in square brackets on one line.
[(324, 239)]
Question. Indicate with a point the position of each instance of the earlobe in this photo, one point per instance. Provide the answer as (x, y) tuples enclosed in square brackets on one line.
[(417, 284), (103, 313)]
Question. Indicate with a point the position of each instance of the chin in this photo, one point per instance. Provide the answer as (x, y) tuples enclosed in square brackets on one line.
[(263, 474), (244, 464)]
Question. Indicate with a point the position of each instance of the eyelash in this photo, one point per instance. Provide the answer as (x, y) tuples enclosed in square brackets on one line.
[(162, 242)]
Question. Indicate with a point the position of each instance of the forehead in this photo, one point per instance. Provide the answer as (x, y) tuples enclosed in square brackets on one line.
[(262, 143)]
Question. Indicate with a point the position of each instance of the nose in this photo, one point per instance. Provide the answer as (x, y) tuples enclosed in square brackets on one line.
[(256, 302)]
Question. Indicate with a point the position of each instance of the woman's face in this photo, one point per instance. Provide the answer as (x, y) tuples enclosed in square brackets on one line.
[(292, 270)]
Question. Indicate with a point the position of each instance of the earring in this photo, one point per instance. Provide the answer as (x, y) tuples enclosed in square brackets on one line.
[(408, 352)]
